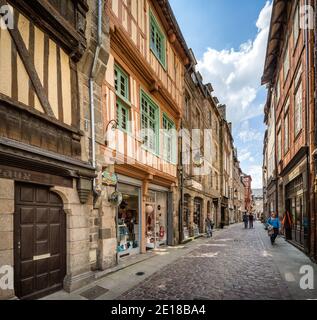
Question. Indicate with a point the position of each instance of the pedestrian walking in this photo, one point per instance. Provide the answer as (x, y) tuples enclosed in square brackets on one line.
[(288, 224), (251, 219), (245, 220), (209, 226), (274, 227)]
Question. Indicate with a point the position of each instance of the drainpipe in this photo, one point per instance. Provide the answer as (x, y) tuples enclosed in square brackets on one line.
[(91, 87), (307, 119)]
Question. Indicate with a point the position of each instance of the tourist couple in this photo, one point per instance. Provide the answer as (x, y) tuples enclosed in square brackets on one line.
[(248, 220)]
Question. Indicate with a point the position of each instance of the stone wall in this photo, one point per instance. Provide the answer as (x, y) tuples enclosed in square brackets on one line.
[(77, 238), (6, 230), (84, 72)]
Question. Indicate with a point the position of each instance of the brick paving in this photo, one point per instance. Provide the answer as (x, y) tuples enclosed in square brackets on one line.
[(234, 265)]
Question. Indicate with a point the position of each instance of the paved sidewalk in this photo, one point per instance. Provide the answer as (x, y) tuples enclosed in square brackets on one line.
[(234, 264), (124, 276)]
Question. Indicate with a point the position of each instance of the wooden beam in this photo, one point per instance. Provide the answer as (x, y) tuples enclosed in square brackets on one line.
[(30, 68)]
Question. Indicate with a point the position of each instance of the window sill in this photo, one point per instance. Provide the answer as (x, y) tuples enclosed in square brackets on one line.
[(150, 150), (123, 99)]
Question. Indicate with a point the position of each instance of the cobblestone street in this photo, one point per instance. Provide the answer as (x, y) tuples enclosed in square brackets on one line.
[(235, 264)]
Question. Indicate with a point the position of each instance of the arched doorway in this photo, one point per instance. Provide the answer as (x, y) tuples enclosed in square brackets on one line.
[(39, 241)]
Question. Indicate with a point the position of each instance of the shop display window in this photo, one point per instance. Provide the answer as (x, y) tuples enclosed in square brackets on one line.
[(128, 222), (156, 220)]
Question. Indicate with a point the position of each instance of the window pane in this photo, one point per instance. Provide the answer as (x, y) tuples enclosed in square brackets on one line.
[(157, 41), (298, 110), (286, 133), (124, 118), (148, 123), (116, 80)]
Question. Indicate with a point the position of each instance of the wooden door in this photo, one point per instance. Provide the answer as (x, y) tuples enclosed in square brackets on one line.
[(40, 241)]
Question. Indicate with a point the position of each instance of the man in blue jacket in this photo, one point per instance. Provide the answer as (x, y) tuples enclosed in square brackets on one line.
[(275, 223)]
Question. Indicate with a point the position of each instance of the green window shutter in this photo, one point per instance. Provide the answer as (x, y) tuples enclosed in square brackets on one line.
[(121, 82), (157, 41), (149, 123)]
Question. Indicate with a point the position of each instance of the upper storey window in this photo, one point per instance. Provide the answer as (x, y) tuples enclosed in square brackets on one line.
[(121, 81), (157, 40)]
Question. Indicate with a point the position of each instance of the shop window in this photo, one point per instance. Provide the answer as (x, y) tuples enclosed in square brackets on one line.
[(128, 221), (156, 219), (149, 123), (157, 40), (197, 216), (186, 220)]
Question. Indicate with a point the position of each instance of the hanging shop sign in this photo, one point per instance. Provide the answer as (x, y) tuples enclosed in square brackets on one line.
[(109, 179), (116, 198)]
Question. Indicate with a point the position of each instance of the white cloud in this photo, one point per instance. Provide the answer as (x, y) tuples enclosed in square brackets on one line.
[(244, 155), (247, 134), (256, 173), (236, 74)]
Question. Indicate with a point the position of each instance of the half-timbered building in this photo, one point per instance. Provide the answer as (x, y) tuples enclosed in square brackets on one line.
[(46, 176)]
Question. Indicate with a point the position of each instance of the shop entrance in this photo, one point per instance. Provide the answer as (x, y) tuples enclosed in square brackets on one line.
[(156, 219), (128, 221), (186, 218), (39, 241), (295, 200), (197, 216)]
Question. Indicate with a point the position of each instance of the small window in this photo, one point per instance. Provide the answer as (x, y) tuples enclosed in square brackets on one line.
[(286, 63), (298, 110), (149, 123), (296, 26), (157, 40), (123, 116), (210, 119), (286, 126), (187, 106), (279, 146), (121, 83), (286, 133), (169, 139)]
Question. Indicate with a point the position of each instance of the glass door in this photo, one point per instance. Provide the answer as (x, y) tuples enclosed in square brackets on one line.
[(156, 219), (197, 217)]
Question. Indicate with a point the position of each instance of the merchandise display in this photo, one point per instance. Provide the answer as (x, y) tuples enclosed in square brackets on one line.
[(156, 221), (128, 227)]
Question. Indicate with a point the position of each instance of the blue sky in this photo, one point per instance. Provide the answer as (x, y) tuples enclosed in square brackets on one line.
[(229, 40)]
